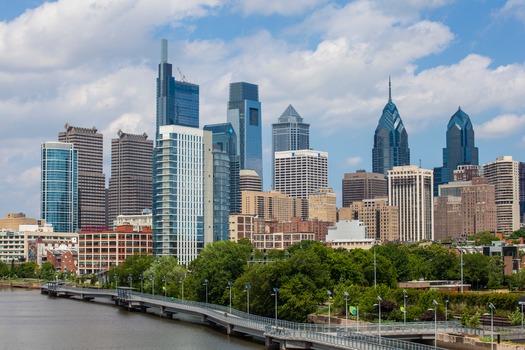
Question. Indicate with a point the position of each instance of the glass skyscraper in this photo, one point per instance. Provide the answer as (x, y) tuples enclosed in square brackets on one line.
[(59, 181), (289, 134), (390, 140), (244, 114), (460, 148), (177, 101)]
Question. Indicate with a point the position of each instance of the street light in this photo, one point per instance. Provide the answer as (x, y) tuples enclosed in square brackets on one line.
[(492, 307), (230, 286), (152, 277), (182, 287), (329, 297), (521, 304), (435, 322), (379, 313), (116, 280), (346, 311), (247, 290), (275, 292), (165, 288), (206, 284), (405, 306), (142, 283), (375, 268), (130, 279), (446, 310)]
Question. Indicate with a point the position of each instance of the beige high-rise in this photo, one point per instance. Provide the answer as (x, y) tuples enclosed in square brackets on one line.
[(273, 204), (322, 205)]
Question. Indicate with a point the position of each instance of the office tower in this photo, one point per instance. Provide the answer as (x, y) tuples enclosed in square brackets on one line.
[(410, 188), (362, 185), (478, 207), (177, 101), (91, 179), (224, 141), (322, 205), (249, 180), (381, 219), (244, 113), (390, 140), (289, 133), (467, 172), (521, 170), (182, 192), (504, 175), (301, 173), (130, 181), (59, 191), (272, 205), (460, 148)]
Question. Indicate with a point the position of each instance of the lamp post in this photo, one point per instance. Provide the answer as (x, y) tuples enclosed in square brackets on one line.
[(446, 310), (182, 287), (165, 288), (230, 284), (375, 268), (206, 284), (461, 265), (329, 297), (275, 292), (521, 304), (346, 312), (142, 283), (116, 280), (379, 314), (492, 307), (152, 277), (435, 322), (405, 306), (130, 279), (247, 290)]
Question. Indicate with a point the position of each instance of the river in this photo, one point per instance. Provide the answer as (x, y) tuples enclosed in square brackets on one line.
[(29, 320)]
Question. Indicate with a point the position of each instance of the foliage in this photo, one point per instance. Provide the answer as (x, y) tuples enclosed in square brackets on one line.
[(483, 238), (47, 271), (515, 317), (4, 269)]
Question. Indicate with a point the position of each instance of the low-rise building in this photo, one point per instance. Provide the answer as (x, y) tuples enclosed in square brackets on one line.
[(349, 235)]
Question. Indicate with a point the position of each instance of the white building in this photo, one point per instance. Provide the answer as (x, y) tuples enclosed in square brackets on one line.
[(349, 235), (300, 173), (410, 188), (137, 221), (504, 175), (182, 192)]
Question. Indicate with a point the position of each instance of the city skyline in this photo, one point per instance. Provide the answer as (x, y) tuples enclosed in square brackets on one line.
[(330, 60)]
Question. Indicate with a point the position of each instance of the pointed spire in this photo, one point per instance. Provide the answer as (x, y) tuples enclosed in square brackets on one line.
[(389, 89), (164, 51)]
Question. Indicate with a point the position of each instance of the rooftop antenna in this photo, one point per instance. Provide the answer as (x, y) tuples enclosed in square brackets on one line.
[(420, 162), (389, 89), (164, 51)]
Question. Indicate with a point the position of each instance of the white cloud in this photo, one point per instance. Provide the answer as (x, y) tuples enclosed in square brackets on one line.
[(354, 161), (513, 8), (269, 7), (501, 126)]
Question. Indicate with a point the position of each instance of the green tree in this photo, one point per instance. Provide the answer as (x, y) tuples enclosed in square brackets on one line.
[(4, 269), (164, 271), (47, 271), (476, 269), (495, 272), (483, 238)]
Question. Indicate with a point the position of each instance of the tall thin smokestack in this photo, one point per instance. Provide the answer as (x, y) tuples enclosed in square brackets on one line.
[(164, 51)]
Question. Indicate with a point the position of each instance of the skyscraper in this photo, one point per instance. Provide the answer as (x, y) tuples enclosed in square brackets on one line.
[(460, 148), (410, 189), (177, 101), (289, 133), (91, 179), (224, 140), (504, 175), (130, 182), (390, 140), (59, 191), (362, 185), (244, 113), (182, 192)]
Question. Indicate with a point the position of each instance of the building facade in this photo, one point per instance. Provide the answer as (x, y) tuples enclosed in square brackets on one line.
[(244, 114), (504, 175), (182, 192), (460, 148), (350, 234), (363, 185), (322, 205), (12, 221), (59, 200), (91, 179), (177, 101), (410, 188), (390, 140), (273, 204), (478, 206), (249, 180), (300, 173), (290, 133), (130, 182)]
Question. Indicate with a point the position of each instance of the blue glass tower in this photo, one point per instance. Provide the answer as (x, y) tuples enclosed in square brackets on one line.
[(244, 114), (59, 186), (460, 148), (390, 139), (177, 101)]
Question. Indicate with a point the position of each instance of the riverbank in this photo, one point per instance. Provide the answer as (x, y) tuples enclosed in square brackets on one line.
[(20, 284)]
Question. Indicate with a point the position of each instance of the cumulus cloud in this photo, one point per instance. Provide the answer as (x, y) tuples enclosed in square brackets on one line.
[(513, 8), (354, 161), (269, 7), (501, 126)]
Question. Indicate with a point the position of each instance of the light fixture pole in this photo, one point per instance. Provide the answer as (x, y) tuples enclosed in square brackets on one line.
[(247, 290), (182, 288), (165, 287), (152, 277), (461, 265), (521, 304), (346, 312), (116, 280), (142, 283), (275, 292), (206, 284), (329, 297), (130, 277), (446, 310), (375, 268), (405, 306), (492, 307), (230, 286), (379, 314), (435, 323)]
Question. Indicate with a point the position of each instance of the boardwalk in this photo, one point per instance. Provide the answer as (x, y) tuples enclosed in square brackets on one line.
[(283, 334)]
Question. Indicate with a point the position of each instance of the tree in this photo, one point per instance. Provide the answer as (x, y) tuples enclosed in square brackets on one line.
[(47, 271), (476, 269), (164, 271), (483, 238), (4, 269)]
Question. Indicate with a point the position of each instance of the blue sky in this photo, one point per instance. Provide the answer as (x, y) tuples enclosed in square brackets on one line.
[(94, 63)]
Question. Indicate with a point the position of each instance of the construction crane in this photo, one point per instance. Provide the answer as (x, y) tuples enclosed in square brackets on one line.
[(182, 76)]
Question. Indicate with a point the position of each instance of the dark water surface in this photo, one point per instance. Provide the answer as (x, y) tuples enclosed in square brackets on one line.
[(29, 320)]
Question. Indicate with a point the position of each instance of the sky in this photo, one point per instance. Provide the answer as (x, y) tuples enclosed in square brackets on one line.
[(94, 63)]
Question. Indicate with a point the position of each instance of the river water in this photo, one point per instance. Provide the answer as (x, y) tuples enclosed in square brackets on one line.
[(29, 320)]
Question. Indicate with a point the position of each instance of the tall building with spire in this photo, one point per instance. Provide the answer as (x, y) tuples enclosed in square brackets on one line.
[(244, 113), (460, 148), (177, 101), (290, 133), (390, 139)]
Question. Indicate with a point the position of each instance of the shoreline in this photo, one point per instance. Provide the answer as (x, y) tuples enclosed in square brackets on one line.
[(27, 285)]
